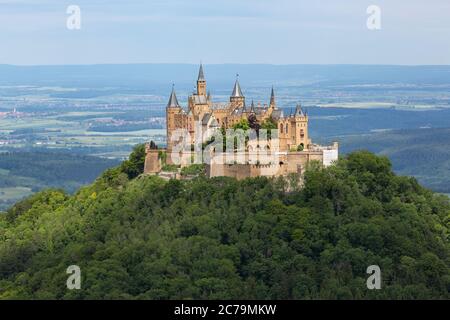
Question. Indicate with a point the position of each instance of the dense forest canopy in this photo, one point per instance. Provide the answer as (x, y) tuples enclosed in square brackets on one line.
[(148, 238)]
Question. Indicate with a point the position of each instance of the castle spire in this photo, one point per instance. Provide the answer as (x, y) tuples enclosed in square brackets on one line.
[(272, 98), (201, 75), (173, 101), (201, 82), (299, 111), (237, 92), (252, 108)]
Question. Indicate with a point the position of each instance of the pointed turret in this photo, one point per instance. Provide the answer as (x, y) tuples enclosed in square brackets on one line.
[(173, 101), (272, 98), (299, 111), (252, 107), (237, 92), (201, 75), (237, 98), (244, 108), (201, 82)]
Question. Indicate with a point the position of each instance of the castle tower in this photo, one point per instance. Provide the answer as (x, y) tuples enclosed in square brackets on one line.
[(198, 102), (272, 99), (152, 164), (201, 82), (301, 129), (252, 108), (173, 111), (237, 99)]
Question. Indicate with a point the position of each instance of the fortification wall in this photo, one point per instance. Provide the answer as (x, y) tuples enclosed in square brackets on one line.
[(152, 163)]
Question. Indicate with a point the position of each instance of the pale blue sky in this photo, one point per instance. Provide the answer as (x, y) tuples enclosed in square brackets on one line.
[(225, 31)]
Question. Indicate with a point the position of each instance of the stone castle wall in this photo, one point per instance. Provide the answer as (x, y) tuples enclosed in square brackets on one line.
[(152, 161)]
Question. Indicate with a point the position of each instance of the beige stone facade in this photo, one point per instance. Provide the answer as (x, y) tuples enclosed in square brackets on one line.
[(294, 148), (153, 163)]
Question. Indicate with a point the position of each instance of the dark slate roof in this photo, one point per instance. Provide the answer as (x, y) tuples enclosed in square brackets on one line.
[(277, 114), (299, 111), (272, 97), (173, 101), (237, 92), (220, 106), (201, 75), (244, 108), (206, 118)]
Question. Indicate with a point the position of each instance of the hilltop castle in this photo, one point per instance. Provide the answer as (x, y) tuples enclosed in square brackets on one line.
[(203, 118)]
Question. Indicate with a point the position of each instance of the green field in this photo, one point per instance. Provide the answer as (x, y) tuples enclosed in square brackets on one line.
[(378, 105), (13, 194), (70, 130), (19, 177)]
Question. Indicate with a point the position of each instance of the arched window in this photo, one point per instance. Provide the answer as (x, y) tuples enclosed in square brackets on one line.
[(281, 128), (287, 128)]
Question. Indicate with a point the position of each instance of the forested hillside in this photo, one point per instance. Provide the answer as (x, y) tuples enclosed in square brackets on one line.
[(22, 173), (146, 238), (422, 153)]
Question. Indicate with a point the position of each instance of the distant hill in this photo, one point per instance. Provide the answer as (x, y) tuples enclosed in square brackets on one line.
[(22, 173), (220, 238), (422, 153), (159, 76)]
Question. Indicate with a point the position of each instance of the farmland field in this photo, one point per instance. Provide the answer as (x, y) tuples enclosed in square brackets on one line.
[(103, 111)]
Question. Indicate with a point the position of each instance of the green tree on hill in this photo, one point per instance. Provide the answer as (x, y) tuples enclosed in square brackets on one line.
[(220, 238), (134, 166)]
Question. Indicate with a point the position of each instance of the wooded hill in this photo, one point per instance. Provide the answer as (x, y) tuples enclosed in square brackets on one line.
[(147, 238)]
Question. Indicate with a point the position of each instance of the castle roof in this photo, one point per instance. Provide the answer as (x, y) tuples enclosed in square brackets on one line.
[(252, 108), (277, 114), (272, 97), (237, 92), (206, 118), (200, 99), (201, 75), (209, 120), (244, 108), (220, 106), (299, 111), (173, 101)]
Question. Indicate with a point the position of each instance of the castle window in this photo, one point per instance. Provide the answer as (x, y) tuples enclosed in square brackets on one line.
[(281, 128), (287, 128)]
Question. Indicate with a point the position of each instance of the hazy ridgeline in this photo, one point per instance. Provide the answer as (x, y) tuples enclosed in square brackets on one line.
[(400, 111)]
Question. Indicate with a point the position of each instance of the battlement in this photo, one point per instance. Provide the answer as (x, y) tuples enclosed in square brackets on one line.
[(293, 147)]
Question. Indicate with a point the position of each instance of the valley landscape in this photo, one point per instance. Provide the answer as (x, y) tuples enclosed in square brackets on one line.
[(88, 118), (224, 159)]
